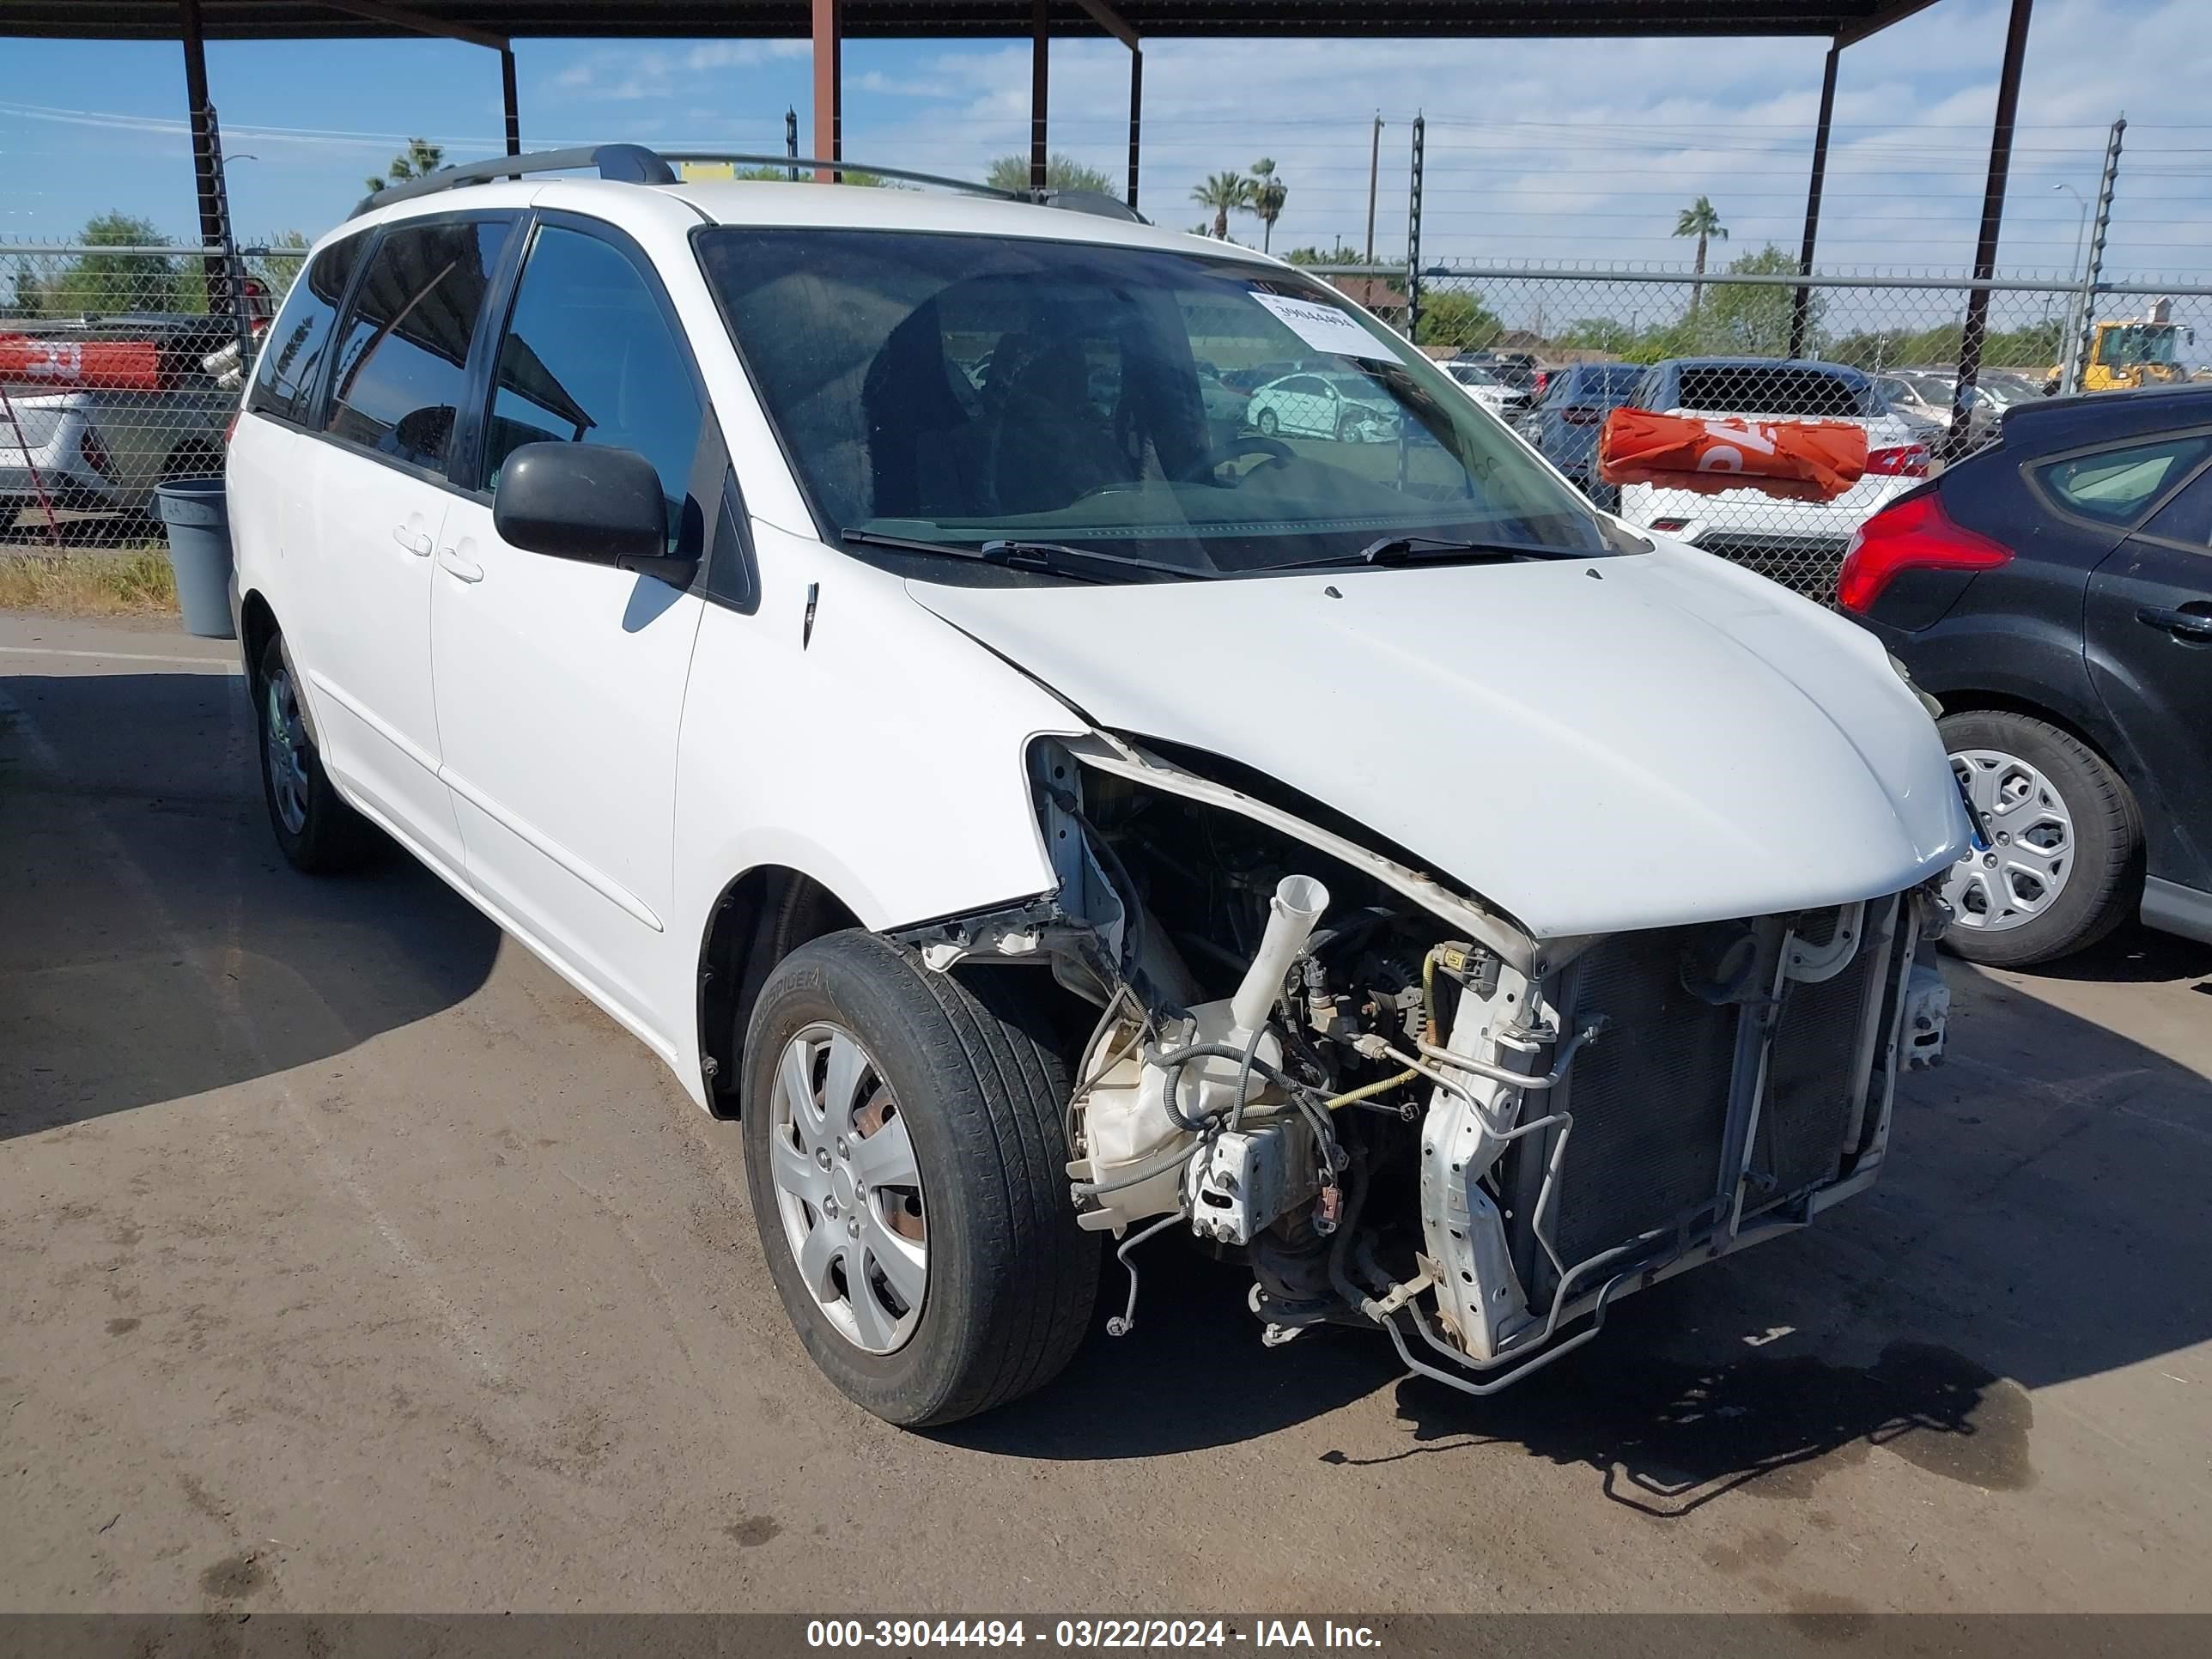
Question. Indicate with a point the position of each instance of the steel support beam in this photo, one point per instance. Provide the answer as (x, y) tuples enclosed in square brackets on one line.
[(1040, 87), (1986, 246), (829, 85), (508, 97), (206, 162), (1849, 34), (1136, 113), (1112, 22), (1801, 304), (415, 23)]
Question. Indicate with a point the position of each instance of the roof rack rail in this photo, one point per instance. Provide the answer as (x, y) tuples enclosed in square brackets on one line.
[(628, 164), (809, 164), (633, 164)]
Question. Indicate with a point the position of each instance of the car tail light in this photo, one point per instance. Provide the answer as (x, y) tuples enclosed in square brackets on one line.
[(1576, 414), (1543, 377), (94, 451), (230, 427), (1668, 526), (1915, 534), (1899, 461)]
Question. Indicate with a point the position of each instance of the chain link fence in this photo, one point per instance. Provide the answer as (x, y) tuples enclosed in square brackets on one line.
[(1553, 350), (119, 371), (116, 374)]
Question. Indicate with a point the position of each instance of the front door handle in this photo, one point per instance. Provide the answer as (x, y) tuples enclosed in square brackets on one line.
[(467, 570), (2195, 626), (416, 542)]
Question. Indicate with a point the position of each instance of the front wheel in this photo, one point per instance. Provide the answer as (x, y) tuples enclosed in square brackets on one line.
[(2063, 868), (1268, 424), (908, 1167)]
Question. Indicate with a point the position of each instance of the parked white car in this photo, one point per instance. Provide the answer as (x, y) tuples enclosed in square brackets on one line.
[(1800, 543), (1493, 394), (1032, 821), (1346, 407)]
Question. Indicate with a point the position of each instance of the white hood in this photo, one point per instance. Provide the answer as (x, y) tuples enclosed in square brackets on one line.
[(1587, 745)]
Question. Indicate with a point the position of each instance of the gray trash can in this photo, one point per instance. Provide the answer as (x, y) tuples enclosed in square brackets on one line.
[(199, 553)]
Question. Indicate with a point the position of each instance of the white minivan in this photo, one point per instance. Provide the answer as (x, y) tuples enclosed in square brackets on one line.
[(1034, 815)]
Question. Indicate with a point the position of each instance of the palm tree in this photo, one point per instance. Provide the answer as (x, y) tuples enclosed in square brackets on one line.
[(1701, 220), (422, 159), (1225, 193), (1268, 193)]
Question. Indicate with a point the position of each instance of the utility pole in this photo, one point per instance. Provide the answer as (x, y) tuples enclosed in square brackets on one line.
[(1374, 166), (2085, 332)]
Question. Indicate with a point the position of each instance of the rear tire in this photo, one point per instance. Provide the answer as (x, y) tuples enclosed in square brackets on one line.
[(1005, 1280), (316, 830), (2051, 790)]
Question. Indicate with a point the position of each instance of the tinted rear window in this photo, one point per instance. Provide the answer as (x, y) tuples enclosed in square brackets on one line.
[(285, 381), (2115, 486), (1752, 389), (403, 359)]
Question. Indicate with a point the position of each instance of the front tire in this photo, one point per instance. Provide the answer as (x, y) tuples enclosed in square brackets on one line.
[(1268, 424), (317, 831), (2066, 867), (905, 1157)]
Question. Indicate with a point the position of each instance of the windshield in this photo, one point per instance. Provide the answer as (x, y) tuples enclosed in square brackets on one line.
[(1197, 412), (1757, 389), (2126, 344)]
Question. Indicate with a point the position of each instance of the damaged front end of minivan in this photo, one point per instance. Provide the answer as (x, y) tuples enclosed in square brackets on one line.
[(1395, 1105)]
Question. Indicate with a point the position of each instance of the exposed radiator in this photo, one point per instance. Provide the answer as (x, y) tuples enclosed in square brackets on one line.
[(1650, 1097)]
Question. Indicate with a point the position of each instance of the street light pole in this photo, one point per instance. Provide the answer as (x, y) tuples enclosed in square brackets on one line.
[(2074, 275)]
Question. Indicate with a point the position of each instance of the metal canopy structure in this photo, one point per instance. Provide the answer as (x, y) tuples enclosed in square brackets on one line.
[(496, 24), (262, 19)]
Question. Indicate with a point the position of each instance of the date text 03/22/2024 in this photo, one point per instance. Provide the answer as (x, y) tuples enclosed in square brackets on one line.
[(1277, 1635)]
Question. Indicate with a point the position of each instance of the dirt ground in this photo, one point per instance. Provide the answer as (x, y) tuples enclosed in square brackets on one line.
[(350, 1260)]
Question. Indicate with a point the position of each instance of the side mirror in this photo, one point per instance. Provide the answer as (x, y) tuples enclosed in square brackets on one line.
[(589, 502)]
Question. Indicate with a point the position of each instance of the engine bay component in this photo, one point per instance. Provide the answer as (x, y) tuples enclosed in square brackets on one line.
[(1395, 1108)]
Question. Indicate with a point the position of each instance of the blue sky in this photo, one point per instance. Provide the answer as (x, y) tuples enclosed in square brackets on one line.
[(1538, 150)]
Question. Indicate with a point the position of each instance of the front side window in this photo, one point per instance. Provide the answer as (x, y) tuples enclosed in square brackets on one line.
[(589, 358), (403, 355), (284, 379), (2114, 486), (1185, 408), (2186, 518)]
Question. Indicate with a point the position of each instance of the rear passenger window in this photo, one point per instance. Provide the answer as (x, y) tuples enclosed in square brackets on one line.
[(589, 358), (2116, 485), (404, 354), (284, 382)]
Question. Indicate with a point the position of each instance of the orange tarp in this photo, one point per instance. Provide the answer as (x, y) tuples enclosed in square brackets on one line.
[(1796, 460), (75, 365)]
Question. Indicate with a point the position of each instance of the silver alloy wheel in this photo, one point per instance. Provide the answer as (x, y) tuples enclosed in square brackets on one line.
[(286, 740), (2019, 876), (847, 1188)]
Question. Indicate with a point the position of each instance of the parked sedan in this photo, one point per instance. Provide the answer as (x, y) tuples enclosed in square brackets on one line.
[(1348, 407), (2055, 593), (1486, 388), (1566, 420)]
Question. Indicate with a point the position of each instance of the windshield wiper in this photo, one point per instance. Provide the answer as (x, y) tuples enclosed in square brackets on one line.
[(1430, 549), (1050, 556), (1441, 550), (1055, 556)]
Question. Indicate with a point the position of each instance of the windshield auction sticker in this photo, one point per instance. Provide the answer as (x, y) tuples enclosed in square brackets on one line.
[(1325, 328)]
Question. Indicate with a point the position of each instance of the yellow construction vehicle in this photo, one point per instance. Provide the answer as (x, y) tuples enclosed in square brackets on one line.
[(2133, 352)]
